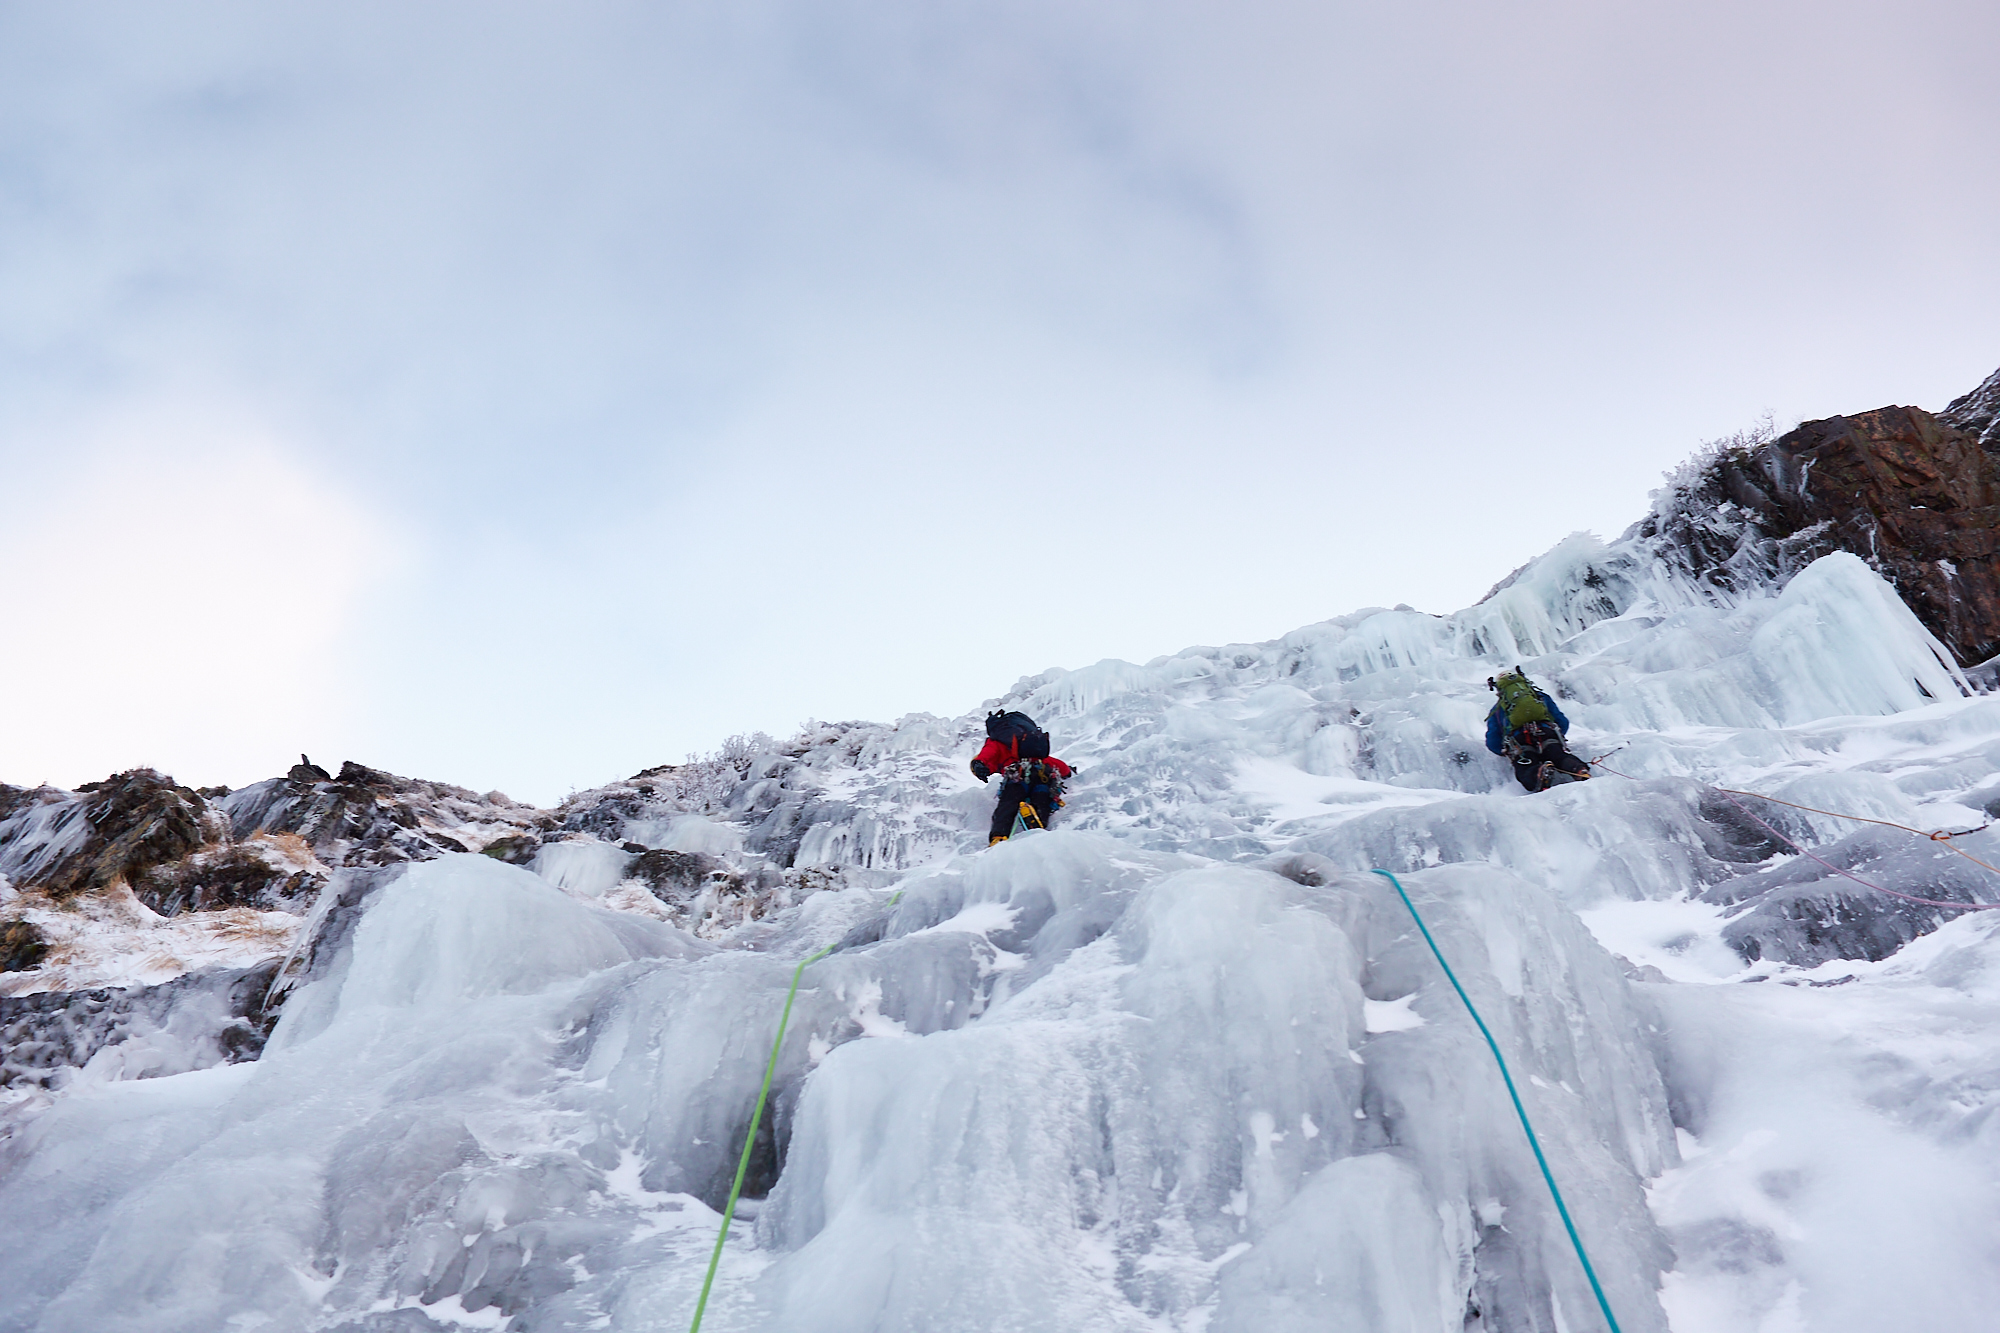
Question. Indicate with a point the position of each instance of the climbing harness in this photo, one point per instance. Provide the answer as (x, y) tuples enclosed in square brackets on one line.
[(1532, 736), (750, 1139), (1730, 794), (1034, 773), (1519, 1109)]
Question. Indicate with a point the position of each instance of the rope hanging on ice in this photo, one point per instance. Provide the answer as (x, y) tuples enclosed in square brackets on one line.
[(757, 1118), (1935, 835), (1730, 794), (750, 1139), (1519, 1109)]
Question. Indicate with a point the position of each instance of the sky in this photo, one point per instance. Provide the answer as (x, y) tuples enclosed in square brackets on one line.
[(521, 395)]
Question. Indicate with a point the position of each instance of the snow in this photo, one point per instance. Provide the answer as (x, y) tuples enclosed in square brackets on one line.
[(116, 940), (1845, 1172), (1180, 1063), (1391, 1015), (977, 919), (1680, 938)]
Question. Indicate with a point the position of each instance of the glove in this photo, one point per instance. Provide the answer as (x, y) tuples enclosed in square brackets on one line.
[(981, 771)]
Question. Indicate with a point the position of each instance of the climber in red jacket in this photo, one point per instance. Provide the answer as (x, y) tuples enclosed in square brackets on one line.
[(1018, 751)]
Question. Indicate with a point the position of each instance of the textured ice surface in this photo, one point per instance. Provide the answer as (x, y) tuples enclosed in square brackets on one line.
[(1180, 1063), (1843, 1170)]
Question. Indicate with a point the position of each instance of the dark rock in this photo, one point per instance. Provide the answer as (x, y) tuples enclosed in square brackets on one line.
[(21, 946), (234, 877), (674, 877), (330, 929), (124, 826), (1729, 834), (1985, 676), (1978, 413), (1802, 913), (1304, 868), (605, 812), (217, 1016), (1812, 924), (1918, 499), (516, 849), (367, 817), (307, 771)]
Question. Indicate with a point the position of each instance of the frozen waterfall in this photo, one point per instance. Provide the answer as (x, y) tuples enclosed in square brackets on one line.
[(1181, 1063)]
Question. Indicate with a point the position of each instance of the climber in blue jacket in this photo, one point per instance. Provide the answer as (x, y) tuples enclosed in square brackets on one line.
[(1527, 727)]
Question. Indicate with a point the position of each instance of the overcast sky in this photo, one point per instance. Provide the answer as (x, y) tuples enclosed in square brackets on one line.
[(520, 395)]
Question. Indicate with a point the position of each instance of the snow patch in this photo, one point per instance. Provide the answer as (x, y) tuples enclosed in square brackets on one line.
[(1391, 1015)]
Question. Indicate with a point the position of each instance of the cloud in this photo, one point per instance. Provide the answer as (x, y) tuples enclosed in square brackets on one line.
[(710, 357), (180, 589)]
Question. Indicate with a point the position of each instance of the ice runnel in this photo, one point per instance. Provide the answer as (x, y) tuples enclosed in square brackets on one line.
[(1069, 1083), (1178, 1096)]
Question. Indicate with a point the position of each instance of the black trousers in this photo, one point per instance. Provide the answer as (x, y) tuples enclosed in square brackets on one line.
[(1011, 795), (1528, 761)]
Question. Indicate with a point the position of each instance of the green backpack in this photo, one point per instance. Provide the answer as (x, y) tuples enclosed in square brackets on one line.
[(1519, 701)]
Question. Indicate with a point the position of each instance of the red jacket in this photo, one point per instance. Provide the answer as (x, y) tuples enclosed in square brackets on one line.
[(996, 755)]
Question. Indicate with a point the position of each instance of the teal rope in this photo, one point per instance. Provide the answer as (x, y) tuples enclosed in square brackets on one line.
[(1519, 1110), (750, 1139)]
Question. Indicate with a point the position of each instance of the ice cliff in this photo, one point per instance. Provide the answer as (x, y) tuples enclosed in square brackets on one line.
[(415, 1058)]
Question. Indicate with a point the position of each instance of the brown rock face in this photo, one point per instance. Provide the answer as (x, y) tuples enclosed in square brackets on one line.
[(1915, 497), (1921, 502)]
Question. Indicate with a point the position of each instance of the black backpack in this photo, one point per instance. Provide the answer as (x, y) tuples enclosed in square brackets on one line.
[(1030, 741)]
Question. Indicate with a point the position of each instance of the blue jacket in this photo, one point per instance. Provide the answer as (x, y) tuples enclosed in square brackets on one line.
[(1496, 723)]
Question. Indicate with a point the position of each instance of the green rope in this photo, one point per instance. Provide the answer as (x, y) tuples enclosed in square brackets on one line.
[(1519, 1110), (750, 1139)]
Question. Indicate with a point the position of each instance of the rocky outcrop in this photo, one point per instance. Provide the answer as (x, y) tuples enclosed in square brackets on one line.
[(1798, 911), (308, 844), (21, 946), (1978, 413), (307, 771), (259, 874), (270, 845), (675, 877), (365, 817), (205, 1018), (1915, 496), (104, 832)]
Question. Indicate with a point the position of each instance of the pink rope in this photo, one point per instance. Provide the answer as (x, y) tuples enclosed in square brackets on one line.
[(1906, 897)]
